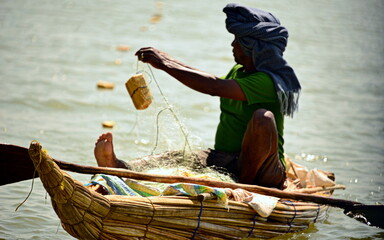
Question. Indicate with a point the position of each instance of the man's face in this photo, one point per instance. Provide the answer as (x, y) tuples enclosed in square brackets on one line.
[(238, 53)]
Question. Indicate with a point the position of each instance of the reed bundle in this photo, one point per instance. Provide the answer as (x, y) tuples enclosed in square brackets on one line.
[(86, 214)]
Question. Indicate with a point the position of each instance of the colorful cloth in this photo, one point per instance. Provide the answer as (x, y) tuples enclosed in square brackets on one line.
[(263, 205), (112, 184), (116, 186), (142, 189), (189, 189)]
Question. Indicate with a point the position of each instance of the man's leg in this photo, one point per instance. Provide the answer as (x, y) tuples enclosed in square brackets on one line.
[(259, 159), (105, 156)]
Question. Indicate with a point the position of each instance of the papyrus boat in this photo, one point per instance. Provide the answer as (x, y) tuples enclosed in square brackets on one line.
[(86, 214)]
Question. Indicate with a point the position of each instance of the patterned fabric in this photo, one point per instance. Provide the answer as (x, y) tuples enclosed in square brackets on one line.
[(189, 189), (116, 186), (263, 205), (112, 184), (142, 189), (261, 36)]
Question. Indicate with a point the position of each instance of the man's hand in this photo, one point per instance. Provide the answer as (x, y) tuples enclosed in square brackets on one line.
[(155, 57)]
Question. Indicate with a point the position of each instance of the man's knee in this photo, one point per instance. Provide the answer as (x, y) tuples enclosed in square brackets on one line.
[(263, 117)]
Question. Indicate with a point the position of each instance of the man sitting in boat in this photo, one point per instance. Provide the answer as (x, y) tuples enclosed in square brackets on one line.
[(255, 96)]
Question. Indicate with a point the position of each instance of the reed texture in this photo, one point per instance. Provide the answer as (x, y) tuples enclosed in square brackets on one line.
[(85, 214)]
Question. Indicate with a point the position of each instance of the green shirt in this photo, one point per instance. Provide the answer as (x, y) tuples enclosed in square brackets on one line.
[(260, 92)]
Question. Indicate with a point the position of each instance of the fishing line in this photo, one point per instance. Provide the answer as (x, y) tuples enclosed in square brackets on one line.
[(157, 130), (169, 107), (135, 124), (58, 227), (33, 181), (29, 194), (137, 66)]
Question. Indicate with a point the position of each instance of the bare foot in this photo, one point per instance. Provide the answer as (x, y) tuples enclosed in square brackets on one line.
[(104, 154)]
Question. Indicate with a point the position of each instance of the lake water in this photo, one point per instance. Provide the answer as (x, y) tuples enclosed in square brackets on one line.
[(52, 54)]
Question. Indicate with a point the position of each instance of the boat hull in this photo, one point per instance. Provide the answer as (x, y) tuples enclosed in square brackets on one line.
[(86, 214)]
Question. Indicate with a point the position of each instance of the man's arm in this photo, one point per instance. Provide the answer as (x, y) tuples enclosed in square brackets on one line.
[(191, 77)]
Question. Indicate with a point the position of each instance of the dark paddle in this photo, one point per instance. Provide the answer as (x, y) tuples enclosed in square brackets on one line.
[(16, 165)]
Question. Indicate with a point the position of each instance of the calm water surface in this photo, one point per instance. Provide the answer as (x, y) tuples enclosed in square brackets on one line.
[(52, 54)]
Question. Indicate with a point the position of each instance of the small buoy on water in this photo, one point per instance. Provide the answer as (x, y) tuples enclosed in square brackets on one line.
[(144, 28), (123, 48), (108, 124), (106, 85), (118, 61), (156, 18), (159, 4)]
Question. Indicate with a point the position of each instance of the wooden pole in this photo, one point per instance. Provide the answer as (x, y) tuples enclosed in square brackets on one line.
[(341, 203), (15, 161)]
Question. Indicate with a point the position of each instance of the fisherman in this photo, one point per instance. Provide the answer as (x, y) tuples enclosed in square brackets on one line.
[(255, 96)]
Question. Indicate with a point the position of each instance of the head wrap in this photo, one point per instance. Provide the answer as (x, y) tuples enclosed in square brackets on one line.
[(261, 36)]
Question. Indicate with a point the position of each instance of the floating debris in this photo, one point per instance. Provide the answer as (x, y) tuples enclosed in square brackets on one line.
[(144, 28), (123, 48), (105, 85), (118, 61), (156, 18), (108, 124), (159, 4)]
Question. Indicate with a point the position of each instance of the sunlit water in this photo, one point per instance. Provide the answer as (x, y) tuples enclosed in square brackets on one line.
[(52, 54)]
